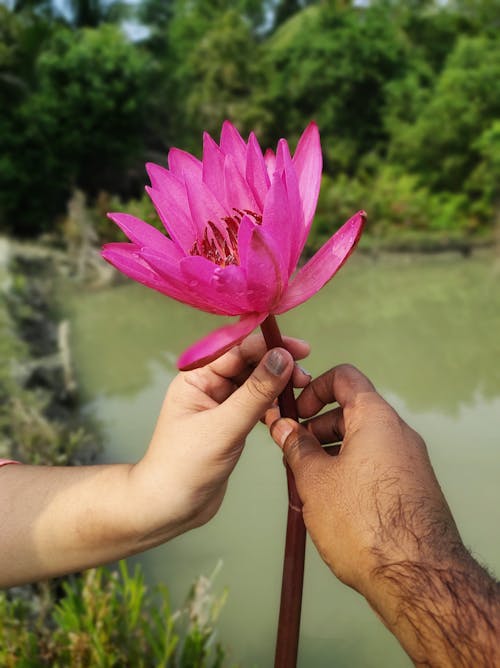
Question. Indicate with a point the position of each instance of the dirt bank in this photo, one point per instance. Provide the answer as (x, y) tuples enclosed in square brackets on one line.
[(40, 420)]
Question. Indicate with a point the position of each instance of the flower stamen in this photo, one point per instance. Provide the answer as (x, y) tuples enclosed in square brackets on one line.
[(219, 249)]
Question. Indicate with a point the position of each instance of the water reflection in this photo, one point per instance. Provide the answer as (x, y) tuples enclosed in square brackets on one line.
[(122, 333), (425, 330)]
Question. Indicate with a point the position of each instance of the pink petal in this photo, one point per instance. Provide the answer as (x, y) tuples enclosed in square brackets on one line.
[(206, 208), (213, 167), (232, 143), (276, 220), (224, 287), (256, 172), (163, 264), (308, 163), (324, 264), (232, 281), (169, 197), (126, 258), (270, 160), (282, 155), (245, 231), (143, 234), (158, 175), (177, 285), (172, 206), (296, 228), (266, 272), (238, 192), (219, 342), (183, 164)]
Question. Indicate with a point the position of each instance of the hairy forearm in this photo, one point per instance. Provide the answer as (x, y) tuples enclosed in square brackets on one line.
[(56, 520), (444, 614)]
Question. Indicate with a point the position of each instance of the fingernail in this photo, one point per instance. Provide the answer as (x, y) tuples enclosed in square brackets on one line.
[(281, 430), (276, 362), (304, 371)]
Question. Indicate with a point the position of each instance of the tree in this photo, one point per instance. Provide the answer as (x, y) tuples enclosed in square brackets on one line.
[(483, 185), (81, 127), (332, 62), (285, 9), (91, 13), (223, 70), (442, 145)]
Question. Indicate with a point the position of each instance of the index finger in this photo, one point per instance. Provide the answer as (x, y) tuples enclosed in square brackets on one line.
[(343, 384)]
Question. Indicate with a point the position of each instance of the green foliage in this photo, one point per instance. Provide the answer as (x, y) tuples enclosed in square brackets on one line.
[(91, 13), (106, 619), (81, 126), (405, 93), (285, 9), (442, 146), (223, 65), (481, 16), (332, 63), (208, 56), (483, 185), (401, 211)]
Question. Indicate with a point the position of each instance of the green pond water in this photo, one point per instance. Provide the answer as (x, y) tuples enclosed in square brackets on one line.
[(426, 330)]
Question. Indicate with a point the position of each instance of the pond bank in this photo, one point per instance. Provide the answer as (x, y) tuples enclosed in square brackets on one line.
[(39, 414)]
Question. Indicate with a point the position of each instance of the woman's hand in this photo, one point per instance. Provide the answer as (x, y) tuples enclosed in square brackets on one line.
[(56, 520), (205, 419)]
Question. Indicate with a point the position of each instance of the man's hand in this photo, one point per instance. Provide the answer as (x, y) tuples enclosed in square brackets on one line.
[(380, 521)]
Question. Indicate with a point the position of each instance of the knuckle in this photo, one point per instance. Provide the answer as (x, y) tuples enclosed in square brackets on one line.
[(295, 444), (373, 402), (346, 368), (259, 389)]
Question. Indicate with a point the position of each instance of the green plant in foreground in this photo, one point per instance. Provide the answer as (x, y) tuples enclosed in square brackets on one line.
[(107, 618)]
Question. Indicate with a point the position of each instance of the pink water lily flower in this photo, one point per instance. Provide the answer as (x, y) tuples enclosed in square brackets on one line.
[(237, 222)]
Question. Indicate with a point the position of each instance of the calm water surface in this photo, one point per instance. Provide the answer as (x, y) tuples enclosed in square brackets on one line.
[(426, 330)]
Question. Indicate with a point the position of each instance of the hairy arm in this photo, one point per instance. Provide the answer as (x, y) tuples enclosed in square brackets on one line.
[(425, 586), (443, 614), (380, 521)]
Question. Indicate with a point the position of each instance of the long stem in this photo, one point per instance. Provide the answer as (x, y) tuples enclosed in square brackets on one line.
[(287, 640)]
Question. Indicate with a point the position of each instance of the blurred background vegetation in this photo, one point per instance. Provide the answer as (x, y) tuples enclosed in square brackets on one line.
[(406, 94)]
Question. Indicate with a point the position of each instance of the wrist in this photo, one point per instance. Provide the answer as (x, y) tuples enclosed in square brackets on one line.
[(442, 612), (154, 506), (164, 503), (391, 563)]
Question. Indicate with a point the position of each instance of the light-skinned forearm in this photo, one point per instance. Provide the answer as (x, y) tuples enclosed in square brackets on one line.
[(57, 520)]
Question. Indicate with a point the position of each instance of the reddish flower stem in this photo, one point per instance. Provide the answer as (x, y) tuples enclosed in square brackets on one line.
[(287, 640)]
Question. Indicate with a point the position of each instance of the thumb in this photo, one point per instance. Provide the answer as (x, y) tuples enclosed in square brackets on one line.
[(301, 449), (244, 408)]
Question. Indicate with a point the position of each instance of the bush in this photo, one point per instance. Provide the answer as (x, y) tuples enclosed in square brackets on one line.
[(109, 618), (398, 206)]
